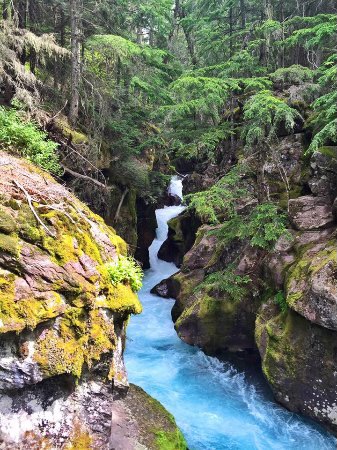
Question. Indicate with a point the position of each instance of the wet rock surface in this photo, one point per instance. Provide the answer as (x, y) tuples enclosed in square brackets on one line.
[(181, 236), (299, 362)]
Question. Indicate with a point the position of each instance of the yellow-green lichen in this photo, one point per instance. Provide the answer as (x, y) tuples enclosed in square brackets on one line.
[(59, 352), (7, 223), (308, 264), (79, 338), (10, 244), (119, 298)]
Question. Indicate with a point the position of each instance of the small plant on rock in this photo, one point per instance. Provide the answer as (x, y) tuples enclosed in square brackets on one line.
[(281, 301), (126, 270)]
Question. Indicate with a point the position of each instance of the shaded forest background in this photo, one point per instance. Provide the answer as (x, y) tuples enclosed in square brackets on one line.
[(129, 92)]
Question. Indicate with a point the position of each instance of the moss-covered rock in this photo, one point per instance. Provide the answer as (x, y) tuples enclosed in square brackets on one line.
[(208, 318), (311, 284), (157, 427), (299, 362), (56, 297), (181, 237), (324, 172)]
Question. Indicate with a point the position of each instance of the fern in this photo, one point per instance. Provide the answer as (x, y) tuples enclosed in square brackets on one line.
[(126, 270)]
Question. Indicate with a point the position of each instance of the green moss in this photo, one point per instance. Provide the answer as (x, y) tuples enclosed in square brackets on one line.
[(76, 136), (119, 298), (16, 315), (328, 151), (158, 429), (10, 244), (170, 440), (7, 223), (283, 333), (59, 352), (81, 337), (175, 225), (307, 265), (27, 224)]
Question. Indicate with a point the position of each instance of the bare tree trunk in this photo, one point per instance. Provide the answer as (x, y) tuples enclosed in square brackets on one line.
[(76, 7), (180, 13)]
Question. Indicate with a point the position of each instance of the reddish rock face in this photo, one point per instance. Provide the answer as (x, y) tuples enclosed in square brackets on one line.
[(61, 318), (311, 213)]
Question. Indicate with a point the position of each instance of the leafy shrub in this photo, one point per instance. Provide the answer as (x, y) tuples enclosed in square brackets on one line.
[(126, 270), (25, 137)]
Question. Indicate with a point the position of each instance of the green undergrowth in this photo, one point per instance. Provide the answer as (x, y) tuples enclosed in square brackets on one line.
[(18, 134), (126, 269)]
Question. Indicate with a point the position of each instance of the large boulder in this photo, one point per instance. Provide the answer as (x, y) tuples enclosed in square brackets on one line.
[(311, 213), (311, 286), (62, 321), (146, 231), (205, 317), (181, 237), (297, 339), (299, 362)]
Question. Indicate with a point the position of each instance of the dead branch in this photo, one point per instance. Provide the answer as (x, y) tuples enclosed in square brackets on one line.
[(59, 112), (120, 204), (84, 177), (30, 203)]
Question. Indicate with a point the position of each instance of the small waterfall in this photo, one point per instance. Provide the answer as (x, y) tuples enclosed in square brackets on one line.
[(216, 406)]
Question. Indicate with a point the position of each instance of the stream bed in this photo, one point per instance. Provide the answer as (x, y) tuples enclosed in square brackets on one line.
[(216, 405)]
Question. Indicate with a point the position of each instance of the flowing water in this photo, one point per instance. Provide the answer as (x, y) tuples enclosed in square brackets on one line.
[(216, 405)]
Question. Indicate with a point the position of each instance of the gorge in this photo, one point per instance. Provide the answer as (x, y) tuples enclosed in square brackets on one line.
[(168, 225), (216, 405)]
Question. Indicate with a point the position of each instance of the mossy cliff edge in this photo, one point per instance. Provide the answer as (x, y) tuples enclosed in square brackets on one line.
[(62, 321)]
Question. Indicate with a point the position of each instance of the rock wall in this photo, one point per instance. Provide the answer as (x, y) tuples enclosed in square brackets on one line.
[(62, 321), (291, 303)]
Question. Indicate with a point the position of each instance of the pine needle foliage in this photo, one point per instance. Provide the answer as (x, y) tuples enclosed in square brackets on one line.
[(13, 73), (219, 200), (264, 113)]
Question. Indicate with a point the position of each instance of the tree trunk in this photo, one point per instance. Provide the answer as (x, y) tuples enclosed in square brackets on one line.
[(230, 32), (4, 10), (243, 13), (76, 7)]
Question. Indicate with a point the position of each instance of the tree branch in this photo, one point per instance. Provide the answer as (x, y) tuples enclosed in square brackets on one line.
[(84, 177)]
